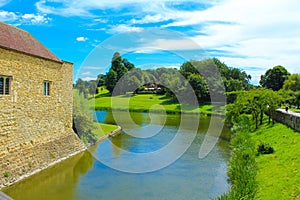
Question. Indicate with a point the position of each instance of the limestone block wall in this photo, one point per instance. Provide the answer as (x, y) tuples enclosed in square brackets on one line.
[(292, 120), (35, 130)]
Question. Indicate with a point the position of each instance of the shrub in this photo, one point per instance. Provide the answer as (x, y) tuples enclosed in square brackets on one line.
[(265, 149)]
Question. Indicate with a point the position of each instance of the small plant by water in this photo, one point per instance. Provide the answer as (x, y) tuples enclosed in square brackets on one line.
[(6, 174)]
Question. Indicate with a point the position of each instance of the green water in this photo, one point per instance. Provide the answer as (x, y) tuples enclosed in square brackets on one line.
[(85, 177)]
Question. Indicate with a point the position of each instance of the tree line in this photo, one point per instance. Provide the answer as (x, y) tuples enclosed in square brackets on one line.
[(198, 75), (192, 76)]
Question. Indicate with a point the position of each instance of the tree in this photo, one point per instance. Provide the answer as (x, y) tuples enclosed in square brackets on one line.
[(127, 64), (292, 88), (80, 85), (200, 87), (256, 102), (119, 67), (292, 83), (111, 80), (274, 78), (92, 87)]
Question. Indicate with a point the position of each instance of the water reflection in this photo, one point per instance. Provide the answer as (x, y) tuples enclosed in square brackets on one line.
[(84, 177), (56, 182)]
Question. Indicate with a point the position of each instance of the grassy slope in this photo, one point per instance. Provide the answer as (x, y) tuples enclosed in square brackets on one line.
[(143, 102), (106, 129), (278, 173)]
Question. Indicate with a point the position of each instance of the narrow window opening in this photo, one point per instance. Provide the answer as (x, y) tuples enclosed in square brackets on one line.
[(5, 85), (46, 88), (1, 86)]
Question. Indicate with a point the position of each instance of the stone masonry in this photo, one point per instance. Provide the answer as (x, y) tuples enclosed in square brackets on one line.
[(35, 130), (289, 118)]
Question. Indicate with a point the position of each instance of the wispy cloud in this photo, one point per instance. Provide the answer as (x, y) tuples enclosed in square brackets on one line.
[(18, 18), (81, 39), (6, 16), (242, 33), (35, 19), (4, 2), (122, 28)]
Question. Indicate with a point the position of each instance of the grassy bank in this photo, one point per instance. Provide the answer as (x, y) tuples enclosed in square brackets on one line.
[(105, 129), (84, 125), (143, 102), (242, 165), (278, 174)]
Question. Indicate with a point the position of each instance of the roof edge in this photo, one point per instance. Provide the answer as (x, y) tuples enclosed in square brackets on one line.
[(29, 54)]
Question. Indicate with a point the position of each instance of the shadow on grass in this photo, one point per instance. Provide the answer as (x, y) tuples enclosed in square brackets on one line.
[(102, 95)]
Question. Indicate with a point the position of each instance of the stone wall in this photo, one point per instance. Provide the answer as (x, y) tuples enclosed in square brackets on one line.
[(35, 130), (288, 118)]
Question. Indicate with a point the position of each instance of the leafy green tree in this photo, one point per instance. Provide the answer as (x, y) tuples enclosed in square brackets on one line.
[(83, 123), (292, 83), (200, 87), (118, 66), (111, 80), (274, 78), (127, 64), (272, 102), (101, 79), (92, 87), (80, 85)]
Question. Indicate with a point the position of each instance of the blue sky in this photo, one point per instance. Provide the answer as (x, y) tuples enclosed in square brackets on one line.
[(252, 35)]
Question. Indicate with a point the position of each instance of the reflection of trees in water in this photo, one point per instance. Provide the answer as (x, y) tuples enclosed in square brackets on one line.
[(83, 165), (56, 182)]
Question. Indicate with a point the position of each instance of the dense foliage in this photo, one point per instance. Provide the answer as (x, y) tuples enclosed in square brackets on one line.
[(274, 78), (194, 77), (83, 123), (256, 102)]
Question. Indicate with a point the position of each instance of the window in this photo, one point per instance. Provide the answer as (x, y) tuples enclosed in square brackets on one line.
[(46, 88), (5, 84)]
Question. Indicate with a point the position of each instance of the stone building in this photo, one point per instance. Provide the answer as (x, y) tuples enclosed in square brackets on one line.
[(35, 106)]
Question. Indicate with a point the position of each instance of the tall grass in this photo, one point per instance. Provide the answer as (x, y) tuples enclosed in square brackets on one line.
[(242, 166)]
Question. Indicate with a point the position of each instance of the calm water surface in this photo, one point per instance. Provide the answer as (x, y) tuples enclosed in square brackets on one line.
[(84, 177)]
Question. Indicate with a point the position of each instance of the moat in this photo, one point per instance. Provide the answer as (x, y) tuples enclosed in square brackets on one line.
[(84, 177)]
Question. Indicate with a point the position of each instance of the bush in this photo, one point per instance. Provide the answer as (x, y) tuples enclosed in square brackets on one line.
[(265, 149), (83, 123)]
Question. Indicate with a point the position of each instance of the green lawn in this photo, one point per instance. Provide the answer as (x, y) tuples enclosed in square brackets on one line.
[(278, 173), (104, 130), (144, 102)]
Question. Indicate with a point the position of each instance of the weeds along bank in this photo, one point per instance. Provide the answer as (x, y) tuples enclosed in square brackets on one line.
[(242, 165)]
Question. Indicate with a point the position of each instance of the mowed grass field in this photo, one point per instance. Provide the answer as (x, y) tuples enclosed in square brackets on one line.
[(278, 173), (145, 102)]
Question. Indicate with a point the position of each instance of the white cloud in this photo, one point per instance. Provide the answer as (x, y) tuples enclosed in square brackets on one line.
[(84, 8), (88, 78), (18, 18), (35, 19), (86, 73), (6, 16), (81, 39), (122, 28), (253, 32)]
